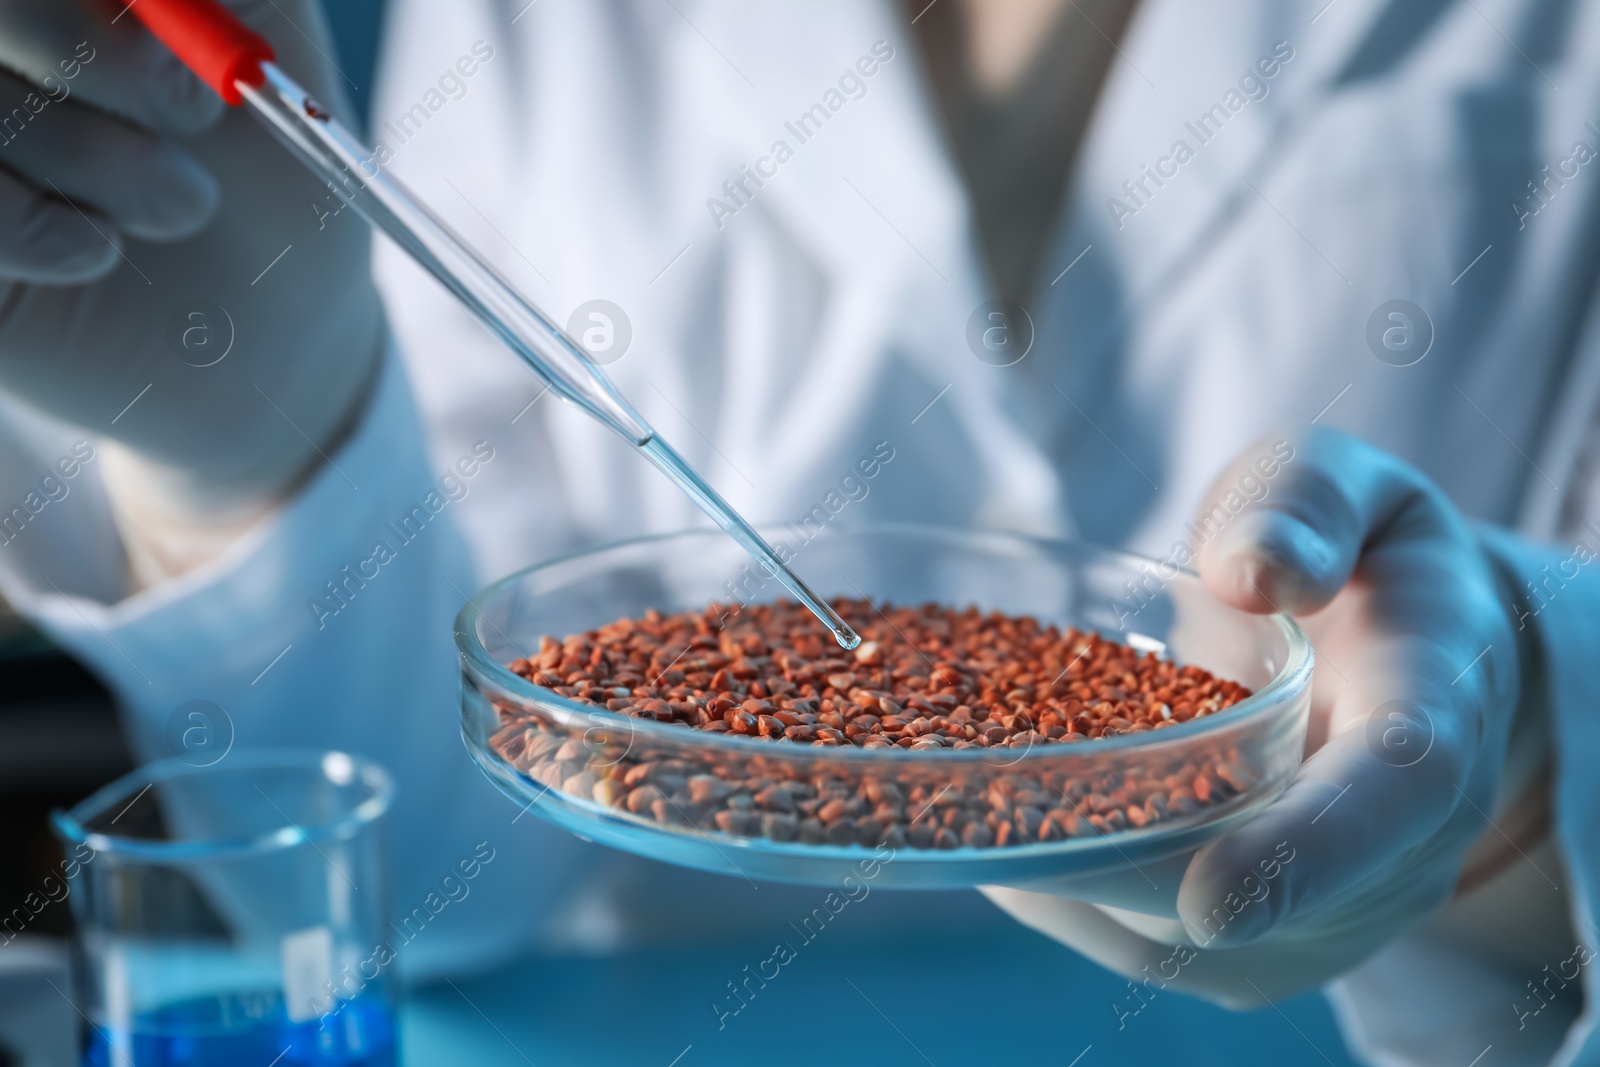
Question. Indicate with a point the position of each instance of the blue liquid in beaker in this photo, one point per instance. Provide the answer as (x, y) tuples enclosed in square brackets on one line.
[(242, 1029)]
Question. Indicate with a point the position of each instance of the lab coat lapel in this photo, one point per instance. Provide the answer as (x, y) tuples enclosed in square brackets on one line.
[(870, 199), (1198, 102), (839, 181), (1176, 103)]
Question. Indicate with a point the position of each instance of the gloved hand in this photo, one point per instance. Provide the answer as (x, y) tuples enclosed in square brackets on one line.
[(1415, 690), (137, 226)]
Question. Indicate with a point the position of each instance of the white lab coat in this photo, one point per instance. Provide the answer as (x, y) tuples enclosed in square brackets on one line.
[(830, 311)]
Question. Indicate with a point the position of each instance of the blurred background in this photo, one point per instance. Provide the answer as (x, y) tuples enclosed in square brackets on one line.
[(968, 987)]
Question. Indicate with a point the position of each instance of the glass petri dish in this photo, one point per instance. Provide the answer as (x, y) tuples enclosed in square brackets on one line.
[(571, 763)]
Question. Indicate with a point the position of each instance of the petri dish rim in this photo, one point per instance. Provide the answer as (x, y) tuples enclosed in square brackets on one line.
[(1292, 675)]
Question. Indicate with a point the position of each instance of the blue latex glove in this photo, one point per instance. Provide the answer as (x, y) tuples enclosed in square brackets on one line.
[(149, 286), (1416, 687)]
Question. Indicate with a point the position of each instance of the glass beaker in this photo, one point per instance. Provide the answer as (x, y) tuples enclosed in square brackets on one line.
[(234, 913)]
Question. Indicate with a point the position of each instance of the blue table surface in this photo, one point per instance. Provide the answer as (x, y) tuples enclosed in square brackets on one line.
[(998, 994)]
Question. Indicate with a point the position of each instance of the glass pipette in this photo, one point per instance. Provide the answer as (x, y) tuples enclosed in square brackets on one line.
[(238, 63)]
